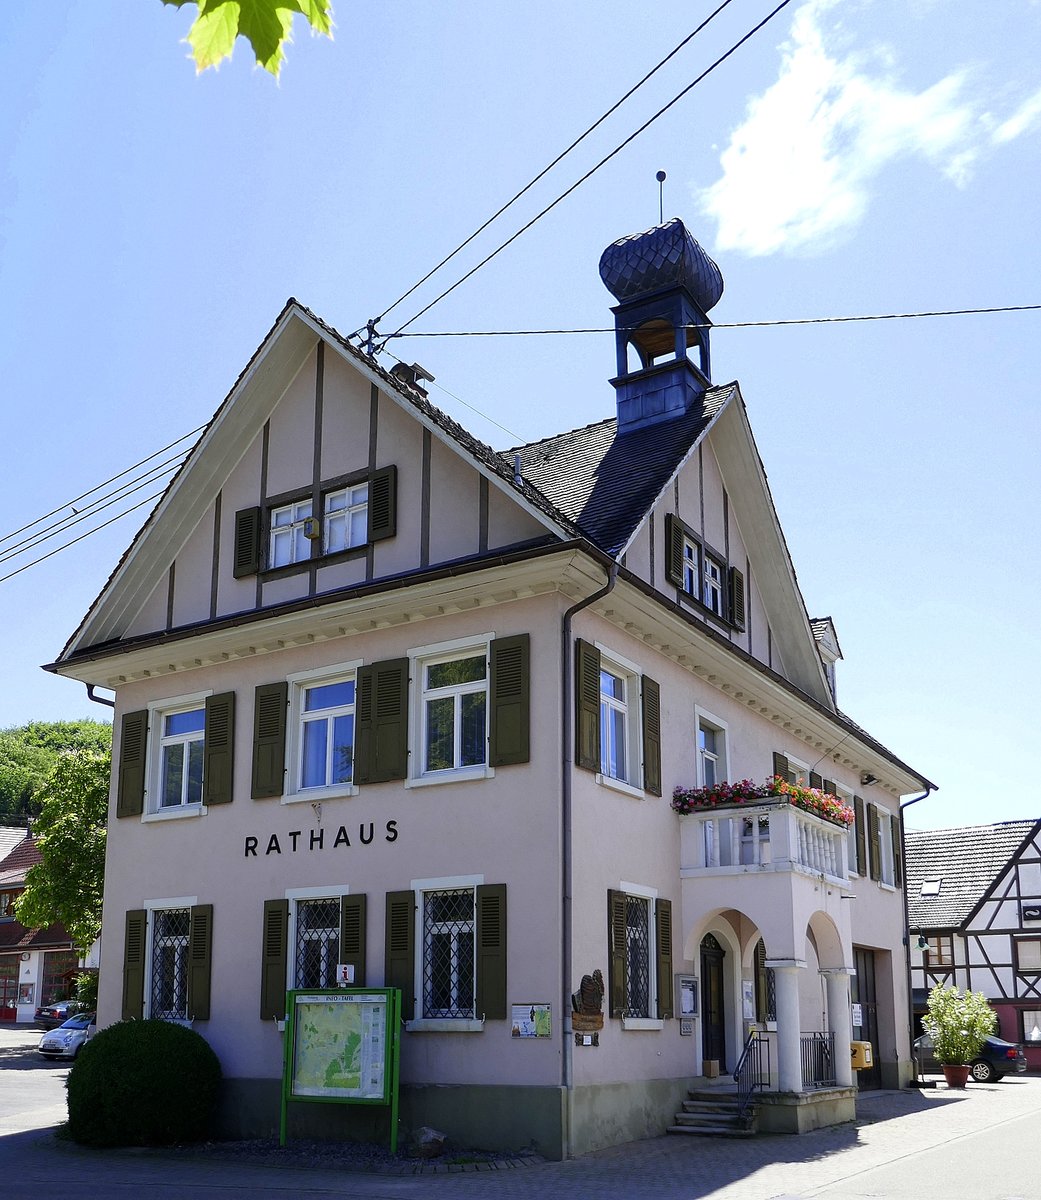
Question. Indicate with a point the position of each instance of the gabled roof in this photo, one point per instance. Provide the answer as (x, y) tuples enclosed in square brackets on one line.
[(18, 860), (606, 483), (967, 861)]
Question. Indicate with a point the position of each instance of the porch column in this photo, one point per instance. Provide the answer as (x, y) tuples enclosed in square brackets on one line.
[(837, 981), (786, 988)]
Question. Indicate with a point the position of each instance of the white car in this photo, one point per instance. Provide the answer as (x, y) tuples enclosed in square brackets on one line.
[(65, 1040)]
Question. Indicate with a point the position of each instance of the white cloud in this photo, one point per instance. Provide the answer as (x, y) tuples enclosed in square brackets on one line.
[(797, 173), (1024, 118)]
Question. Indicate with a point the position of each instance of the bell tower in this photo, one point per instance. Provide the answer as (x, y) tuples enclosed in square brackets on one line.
[(665, 284)]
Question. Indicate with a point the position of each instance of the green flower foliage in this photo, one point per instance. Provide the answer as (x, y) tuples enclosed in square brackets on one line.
[(266, 24), (959, 1023), (143, 1083)]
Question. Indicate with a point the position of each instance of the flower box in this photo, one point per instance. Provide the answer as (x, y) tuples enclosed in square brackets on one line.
[(733, 795)]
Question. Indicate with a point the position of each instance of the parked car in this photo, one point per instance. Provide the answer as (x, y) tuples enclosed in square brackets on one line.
[(996, 1059), (65, 1041), (49, 1016)]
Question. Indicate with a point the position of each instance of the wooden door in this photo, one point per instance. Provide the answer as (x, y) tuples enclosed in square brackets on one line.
[(713, 1020)]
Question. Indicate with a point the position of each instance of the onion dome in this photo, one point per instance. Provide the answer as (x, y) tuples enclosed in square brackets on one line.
[(666, 256)]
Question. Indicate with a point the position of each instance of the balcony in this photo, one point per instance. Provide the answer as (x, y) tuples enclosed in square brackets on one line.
[(771, 836)]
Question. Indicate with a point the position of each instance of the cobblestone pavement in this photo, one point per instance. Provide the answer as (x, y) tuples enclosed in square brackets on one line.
[(907, 1145)]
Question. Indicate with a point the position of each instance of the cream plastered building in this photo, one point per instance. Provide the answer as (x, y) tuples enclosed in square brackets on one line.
[(386, 697)]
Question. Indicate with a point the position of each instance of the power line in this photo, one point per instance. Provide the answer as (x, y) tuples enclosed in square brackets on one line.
[(899, 316), (66, 545), (560, 157), (607, 158)]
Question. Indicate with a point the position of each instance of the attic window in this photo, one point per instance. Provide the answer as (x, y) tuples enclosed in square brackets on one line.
[(931, 887)]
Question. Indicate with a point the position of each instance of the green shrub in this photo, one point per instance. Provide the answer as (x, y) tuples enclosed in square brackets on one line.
[(142, 1083), (87, 990), (959, 1023)]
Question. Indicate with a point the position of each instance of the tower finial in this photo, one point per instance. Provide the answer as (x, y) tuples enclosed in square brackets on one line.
[(661, 177)]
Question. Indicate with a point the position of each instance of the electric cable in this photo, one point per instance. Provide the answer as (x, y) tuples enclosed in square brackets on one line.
[(592, 171), (560, 157)]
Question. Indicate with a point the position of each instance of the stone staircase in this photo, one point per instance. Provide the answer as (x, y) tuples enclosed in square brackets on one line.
[(713, 1112)]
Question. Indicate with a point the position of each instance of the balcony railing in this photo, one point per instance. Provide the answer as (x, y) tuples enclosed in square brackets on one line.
[(770, 836)]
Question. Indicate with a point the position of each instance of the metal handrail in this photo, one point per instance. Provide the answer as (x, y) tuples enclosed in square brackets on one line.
[(748, 1074)]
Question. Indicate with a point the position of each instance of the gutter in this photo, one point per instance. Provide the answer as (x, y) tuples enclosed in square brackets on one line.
[(907, 933), (567, 1063)]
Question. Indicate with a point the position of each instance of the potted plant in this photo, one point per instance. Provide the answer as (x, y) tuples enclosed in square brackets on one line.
[(958, 1023)]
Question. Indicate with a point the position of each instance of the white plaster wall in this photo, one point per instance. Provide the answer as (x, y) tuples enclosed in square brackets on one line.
[(345, 418), (193, 575), (291, 434)]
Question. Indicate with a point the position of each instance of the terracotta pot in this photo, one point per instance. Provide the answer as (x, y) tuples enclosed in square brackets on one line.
[(957, 1076)]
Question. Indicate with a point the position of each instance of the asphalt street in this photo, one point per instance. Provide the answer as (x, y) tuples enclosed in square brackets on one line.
[(908, 1145)]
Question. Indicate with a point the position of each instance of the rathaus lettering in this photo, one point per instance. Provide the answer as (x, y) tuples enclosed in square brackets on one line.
[(315, 839)]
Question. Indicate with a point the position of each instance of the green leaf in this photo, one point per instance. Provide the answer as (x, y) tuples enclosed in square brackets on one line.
[(266, 25)]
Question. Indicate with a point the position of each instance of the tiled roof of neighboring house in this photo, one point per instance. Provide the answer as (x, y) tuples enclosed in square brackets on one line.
[(10, 836), (605, 483), (966, 861), (16, 937), (19, 859)]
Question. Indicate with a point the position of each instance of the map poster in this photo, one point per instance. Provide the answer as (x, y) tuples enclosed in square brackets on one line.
[(339, 1045)]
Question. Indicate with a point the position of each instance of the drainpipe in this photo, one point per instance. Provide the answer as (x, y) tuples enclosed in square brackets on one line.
[(99, 699), (907, 932), (567, 738)]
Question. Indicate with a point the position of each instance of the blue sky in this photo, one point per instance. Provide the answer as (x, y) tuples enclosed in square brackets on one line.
[(869, 156)]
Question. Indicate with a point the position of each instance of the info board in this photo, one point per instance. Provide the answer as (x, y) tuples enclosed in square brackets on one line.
[(341, 1047)]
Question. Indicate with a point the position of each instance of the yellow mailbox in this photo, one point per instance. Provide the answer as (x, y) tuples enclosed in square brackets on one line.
[(860, 1052)]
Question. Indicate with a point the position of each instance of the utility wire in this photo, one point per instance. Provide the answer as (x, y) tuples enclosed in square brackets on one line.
[(900, 316), (58, 549), (560, 157), (607, 158), (90, 492)]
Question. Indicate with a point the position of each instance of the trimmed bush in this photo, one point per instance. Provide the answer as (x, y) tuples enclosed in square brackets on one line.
[(142, 1083)]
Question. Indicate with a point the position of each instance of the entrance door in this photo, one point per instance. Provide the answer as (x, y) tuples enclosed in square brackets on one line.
[(8, 987), (713, 1024), (862, 995)]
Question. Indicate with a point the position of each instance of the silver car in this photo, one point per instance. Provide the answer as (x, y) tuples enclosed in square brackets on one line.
[(65, 1040)]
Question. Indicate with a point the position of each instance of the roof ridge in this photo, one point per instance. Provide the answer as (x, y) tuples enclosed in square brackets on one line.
[(556, 436)]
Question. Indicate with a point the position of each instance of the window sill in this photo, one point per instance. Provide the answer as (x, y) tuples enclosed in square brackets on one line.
[(462, 775), (339, 791), (651, 1023), (444, 1025), (619, 785), (176, 814)]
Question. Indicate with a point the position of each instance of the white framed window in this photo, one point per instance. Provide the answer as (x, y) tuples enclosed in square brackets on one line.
[(450, 739), (641, 958), (288, 537), (1031, 1019), (446, 953), (620, 749), (345, 518), (885, 847), (712, 766), (798, 773), (691, 567), (322, 732), (1028, 956), (166, 985), (314, 936), (713, 594), (176, 750)]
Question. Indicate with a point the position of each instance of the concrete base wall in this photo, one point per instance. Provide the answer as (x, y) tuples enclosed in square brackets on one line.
[(508, 1119), (610, 1113), (799, 1112)]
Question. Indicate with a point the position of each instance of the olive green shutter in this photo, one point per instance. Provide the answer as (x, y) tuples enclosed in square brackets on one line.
[(352, 935), (219, 752), (736, 596), (674, 550), (383, 504), (859, 826), (781, 766), (269, 739), (399, 969), (490, 996), (134, 965), (133, 742), (273, 959), (200, 954), (381, 734), (509, 719), (247, 543), (587, 706), (663, 947), (617, 962), (816, 781), (651, 696), (898, 864), (829, 787), (874, 843)]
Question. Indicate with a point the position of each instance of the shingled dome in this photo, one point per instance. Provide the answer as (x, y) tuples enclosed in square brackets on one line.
[(665, 256)]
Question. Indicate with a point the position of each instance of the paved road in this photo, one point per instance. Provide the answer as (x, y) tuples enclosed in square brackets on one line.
[(972, 1145)]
